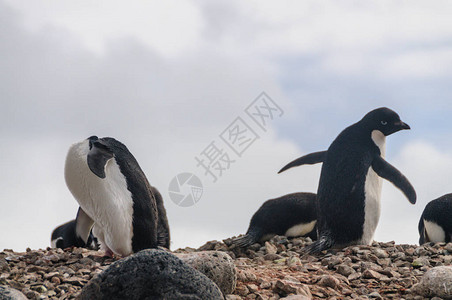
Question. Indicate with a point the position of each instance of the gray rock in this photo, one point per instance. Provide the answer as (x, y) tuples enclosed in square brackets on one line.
[(448, 247), (436, 282), (345, 270), (150, 274), (233, 297), (380, 253), (329, 281), (272, 256), (296, 297), (420, 262), (216, 265), (270, 248), (374, 295), (4, 266), (292, 286), (8, 293)]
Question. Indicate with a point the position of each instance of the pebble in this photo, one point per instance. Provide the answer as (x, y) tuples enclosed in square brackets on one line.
[(277, 269), (270, 248), (345, 270), (437, 282), (374, 295), (371, 274), (329, 281)]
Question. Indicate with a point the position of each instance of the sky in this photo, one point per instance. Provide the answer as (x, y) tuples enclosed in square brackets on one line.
[(169, 78)]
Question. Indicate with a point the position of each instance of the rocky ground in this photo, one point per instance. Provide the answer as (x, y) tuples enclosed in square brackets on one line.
[(381, 271), (51, 273), (274, 270)]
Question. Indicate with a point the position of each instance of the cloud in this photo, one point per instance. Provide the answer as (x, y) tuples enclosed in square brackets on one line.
[(428, 169), (96, 24), (168, 78), (166, 110)]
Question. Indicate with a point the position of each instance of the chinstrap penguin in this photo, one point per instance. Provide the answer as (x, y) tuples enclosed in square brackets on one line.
[(116, 200), (435, 224), (291, 215), (348, 197)]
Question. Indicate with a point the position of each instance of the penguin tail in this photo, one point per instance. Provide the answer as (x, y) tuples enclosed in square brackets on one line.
[(248, 239), (163, 239), (309, 159), (323, 243)]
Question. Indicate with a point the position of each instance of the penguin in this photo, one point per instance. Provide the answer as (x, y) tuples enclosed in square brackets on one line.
[(435, 224), (163, 232), (349, 191), (64, 236), (116, 200), (291, 215)]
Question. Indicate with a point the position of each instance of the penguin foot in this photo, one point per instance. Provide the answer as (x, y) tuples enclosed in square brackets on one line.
[(244, 241), (109, 253), (323, 243), (252, 236)]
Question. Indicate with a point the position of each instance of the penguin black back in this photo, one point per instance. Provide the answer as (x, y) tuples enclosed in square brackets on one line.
[(64, 236), (292, 215), (163, 232), (348, 197), (145, 214), (435, 224), (347, 185), (116, 200), (344, 173)]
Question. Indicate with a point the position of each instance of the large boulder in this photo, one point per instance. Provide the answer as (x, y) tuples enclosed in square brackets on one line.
[(436, 282), (150, 274), (218, 266), (8, 293)]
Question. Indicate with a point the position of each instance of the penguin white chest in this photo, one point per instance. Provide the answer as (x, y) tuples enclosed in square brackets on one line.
[(300, 229), (435, 233), (372, 194), (106, 201)]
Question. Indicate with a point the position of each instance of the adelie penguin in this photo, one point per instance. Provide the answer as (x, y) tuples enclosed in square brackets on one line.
[(291, 215), (115, 198), (65, 236), (349, 191), (435, 224)]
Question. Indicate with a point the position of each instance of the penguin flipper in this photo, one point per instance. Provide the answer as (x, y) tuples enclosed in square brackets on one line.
[(390, 173), (83, 225), (309, 159), (421, 229), (98, 157), (422, 232)]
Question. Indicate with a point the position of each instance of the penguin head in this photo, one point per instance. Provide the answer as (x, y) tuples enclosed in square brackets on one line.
[(385, 120), (99, 154), (91, 140)]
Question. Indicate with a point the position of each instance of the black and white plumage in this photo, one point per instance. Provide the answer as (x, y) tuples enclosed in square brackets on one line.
[(290, 215), (163, 232), (435, 224), (64, 236), (115, 197), (349, 191)]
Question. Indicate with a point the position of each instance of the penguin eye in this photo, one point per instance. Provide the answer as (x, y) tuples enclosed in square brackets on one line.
[(384, 123)]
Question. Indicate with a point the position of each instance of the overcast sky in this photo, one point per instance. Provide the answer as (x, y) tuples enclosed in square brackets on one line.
[(167, 78)]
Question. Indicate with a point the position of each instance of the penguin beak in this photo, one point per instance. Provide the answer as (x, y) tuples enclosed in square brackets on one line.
[(402, 126)]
